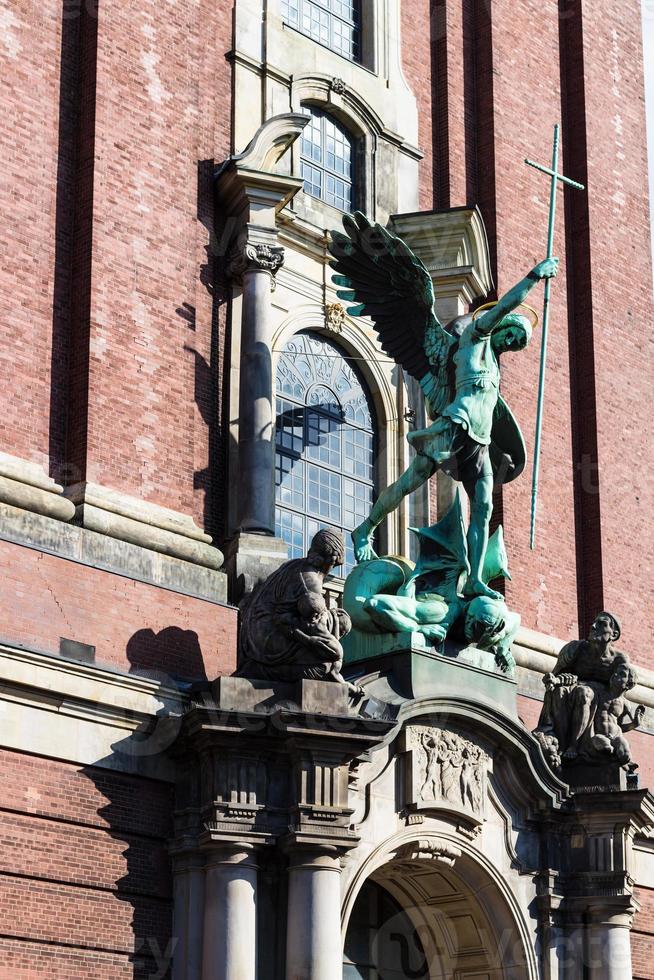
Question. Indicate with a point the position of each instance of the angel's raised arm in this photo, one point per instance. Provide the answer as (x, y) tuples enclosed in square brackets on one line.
[(492, 318)]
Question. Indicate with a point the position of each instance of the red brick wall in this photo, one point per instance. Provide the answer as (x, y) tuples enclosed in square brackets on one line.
[(619, 316), (642, 944), (30, 50), (85, 885), (159, 119), (111, 326), (134, 626), (496, 97), (416, 27)]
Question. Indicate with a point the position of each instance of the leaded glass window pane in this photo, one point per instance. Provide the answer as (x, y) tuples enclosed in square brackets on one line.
[(334, 23), (327, 160), (324, 445)]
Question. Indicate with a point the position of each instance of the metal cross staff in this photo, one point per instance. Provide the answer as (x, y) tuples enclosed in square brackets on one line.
[(555, 177)]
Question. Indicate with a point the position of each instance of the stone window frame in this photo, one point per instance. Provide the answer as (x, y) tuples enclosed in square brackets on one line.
[(332, 19), (365, 128), (323, 118), (380, 379), (371, 19)]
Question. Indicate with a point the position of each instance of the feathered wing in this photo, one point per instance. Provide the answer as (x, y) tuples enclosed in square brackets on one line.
[(379, 273)]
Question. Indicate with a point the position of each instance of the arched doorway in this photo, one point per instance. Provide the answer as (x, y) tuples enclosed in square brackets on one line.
[(433, 913)]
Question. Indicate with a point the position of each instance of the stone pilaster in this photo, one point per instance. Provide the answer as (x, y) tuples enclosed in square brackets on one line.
[(251, 191)]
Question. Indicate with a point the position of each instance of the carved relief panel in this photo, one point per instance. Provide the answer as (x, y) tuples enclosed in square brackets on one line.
[(445, 771)]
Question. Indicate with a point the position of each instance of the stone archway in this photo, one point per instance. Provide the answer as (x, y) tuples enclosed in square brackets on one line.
[(432, 912)]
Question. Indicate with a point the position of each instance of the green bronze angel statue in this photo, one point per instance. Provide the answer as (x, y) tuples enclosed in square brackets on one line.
[(473, 436)]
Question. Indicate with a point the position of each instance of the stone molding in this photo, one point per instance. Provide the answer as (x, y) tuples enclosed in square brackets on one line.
[(127, 518), (453, 245), (24, 484), (87, 714), (69, 542), (248, 185)]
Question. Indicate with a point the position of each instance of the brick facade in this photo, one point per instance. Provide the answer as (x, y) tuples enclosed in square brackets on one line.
[(85, 887), (115, 349)]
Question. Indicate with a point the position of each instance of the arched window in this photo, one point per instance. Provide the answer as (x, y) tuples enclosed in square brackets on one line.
[(327, 160), (334, 23), (324, 445)]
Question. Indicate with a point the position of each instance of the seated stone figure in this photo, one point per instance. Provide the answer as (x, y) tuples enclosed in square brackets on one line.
[(584, 712), (287, 632)]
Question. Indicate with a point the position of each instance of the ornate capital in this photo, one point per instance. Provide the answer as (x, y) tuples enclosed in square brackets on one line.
[(255, 256)]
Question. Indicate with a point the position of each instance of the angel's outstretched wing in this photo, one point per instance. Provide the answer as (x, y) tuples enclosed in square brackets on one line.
[(384, 279)]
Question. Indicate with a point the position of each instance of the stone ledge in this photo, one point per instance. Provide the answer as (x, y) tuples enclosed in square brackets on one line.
[(127, 518), (87, 715), (24, 484), (86, 547)]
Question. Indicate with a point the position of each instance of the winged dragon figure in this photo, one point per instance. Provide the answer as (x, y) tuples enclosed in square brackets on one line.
[(473, 436)]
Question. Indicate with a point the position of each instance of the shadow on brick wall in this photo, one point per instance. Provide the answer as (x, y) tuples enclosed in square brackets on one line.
[(172, 653)]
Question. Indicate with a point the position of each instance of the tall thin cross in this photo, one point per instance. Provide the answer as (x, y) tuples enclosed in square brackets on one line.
[(555, 178)]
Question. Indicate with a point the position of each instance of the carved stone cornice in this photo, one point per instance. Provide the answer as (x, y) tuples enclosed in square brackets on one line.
[(262, 762)]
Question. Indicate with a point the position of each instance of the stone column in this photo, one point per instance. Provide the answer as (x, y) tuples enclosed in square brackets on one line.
[(313, 933), (608, 945), (258, 264), (230, 925), (188, 920)]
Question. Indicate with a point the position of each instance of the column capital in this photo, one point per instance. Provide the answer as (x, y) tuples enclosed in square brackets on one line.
[(235, 853), (255, 257), (312, 856)]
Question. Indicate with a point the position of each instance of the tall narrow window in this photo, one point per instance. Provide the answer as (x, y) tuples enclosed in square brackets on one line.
[(324, 445), (327, 160), (334, 23)]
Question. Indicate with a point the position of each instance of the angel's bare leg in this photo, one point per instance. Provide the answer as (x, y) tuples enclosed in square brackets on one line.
[(481, 508), (414, 476)]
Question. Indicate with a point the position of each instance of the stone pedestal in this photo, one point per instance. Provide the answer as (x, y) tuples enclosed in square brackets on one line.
[(251, 559), (413, 669)]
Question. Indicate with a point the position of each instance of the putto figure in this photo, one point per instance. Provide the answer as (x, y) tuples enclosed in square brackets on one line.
[(474, 436)]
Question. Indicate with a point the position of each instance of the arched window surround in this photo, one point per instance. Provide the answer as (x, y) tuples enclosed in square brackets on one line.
[(380, 378), (364, 127)]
